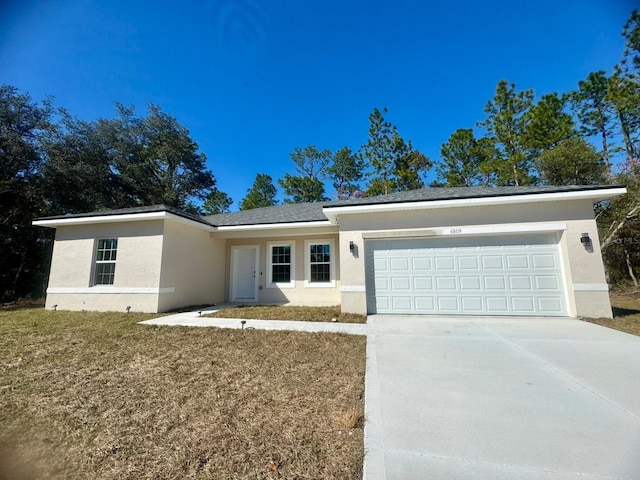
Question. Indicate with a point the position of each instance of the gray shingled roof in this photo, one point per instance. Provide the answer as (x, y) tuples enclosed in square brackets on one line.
[(130, 211), (312, 212), (309, 212), (456, 193), (286, 213)]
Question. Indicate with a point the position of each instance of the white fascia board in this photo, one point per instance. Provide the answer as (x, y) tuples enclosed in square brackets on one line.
[(332, 213), (129, 217), (273, 226)]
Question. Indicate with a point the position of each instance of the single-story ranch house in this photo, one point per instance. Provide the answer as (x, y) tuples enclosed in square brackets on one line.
[(452, 251)]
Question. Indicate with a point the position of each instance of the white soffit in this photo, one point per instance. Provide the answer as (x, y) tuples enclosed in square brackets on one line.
[(129, 217), (332, 213)]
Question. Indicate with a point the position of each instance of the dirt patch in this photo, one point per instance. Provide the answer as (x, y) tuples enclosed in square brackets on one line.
[(94, 395)]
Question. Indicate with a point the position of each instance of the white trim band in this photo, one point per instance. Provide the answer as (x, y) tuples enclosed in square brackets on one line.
[(590, 287), (110, 290), (271, 226), (455, 231), (353, 288)]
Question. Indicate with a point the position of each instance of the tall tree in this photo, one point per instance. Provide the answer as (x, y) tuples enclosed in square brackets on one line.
[(572, 162), (346, 170), (215, 202), (395, 165), (595, 111), (410, 170), (506, 123), (156, 158), (547, 124), (23, 247), (79, 174), (466, 161), (311, 167), (381, 152), (261, 194)]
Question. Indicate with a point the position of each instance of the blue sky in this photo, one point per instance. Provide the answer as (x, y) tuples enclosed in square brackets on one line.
[(254, 79)]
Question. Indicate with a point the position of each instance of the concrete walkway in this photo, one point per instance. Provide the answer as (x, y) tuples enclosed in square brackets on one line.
[(500, 398), (194, 319)]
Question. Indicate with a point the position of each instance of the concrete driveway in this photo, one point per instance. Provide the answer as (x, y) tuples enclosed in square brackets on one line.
[(500, 398)]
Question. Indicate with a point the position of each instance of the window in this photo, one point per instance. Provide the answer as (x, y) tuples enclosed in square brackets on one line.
[(319, 263), (106, 261), (280, 264)]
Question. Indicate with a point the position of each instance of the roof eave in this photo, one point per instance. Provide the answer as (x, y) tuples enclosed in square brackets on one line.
[(595, 195), (130, 217)]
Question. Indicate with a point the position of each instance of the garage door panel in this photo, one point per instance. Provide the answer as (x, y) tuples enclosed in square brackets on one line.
[(547, 283), (421, 263), (550, 305), (425, 304), (492, 262), (447, 304), (399, 284), (517, 282), (468, 263), (471, 283), (472, 304), (381, 264), (495, 283), (445, 263), (401, 303), (399, 264), (517, 262), (497, 304), (508, 275), (446, 283), (382, 284), (422, 283), (544, 261), (522, 305)]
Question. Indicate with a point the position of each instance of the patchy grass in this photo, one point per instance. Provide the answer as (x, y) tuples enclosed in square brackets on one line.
[(97, 396), (626, 314), (280, 312)]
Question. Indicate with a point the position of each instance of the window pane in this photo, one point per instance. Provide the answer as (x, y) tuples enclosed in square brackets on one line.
[(280, 273), (320, 272), (105, 273), (281, 254)]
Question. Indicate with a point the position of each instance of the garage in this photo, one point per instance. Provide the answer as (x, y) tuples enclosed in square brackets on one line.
[(457, 275)]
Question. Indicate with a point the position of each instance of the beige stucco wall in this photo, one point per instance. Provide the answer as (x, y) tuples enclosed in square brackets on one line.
[(137, 267), (583, 269), (300, 294), (192, 265)]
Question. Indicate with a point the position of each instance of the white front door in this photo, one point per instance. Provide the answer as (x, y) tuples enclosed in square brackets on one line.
[(244, 273)]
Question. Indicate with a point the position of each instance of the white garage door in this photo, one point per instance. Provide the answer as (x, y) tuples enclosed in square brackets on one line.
[(506, 275)]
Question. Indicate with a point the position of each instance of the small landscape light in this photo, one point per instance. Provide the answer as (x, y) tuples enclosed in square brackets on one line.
[(199, 314), (55, 307), (242, 322), (128, 308)]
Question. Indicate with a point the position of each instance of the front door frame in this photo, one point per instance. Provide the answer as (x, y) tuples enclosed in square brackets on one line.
[(232, 276)]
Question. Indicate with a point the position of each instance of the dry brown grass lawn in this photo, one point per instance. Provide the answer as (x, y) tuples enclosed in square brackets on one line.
[(626, 314), (280, 312), (97, 396)]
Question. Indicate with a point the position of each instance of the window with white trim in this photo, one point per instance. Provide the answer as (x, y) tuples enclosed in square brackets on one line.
[(280, 265), (105, 267), (319, 263)]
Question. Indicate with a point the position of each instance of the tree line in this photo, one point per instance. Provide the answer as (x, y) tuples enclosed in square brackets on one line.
[(53, 163)]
